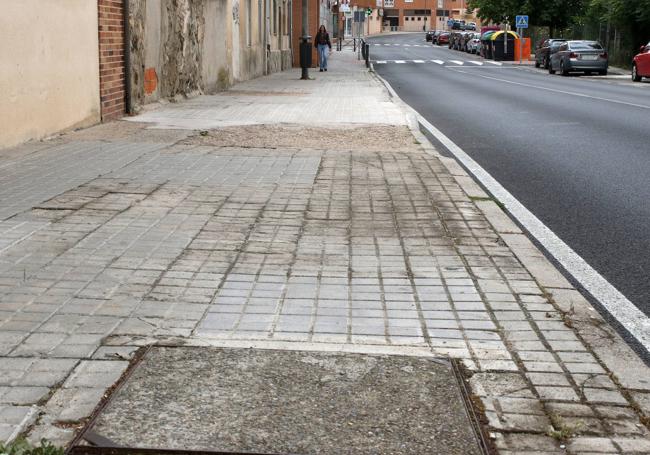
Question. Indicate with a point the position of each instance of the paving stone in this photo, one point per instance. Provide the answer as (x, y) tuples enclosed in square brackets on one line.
[(584, 444), (96, 374), (633, 445)]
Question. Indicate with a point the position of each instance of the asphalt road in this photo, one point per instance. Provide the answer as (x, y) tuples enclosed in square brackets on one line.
[(574, 150)]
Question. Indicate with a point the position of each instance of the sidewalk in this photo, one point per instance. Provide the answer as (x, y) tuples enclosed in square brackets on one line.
[(289, 214)]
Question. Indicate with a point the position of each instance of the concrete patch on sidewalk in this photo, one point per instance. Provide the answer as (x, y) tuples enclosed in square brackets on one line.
[(268, 401)]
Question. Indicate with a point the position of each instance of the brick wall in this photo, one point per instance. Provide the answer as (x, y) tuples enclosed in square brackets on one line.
[(111, 58)]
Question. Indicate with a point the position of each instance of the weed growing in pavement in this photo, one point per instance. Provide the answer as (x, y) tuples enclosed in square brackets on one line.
[(561, 430), (22, 447)]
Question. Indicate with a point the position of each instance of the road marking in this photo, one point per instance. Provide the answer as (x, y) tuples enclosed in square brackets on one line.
[(399, 61), (564, 92), (610, 298), (407, 45), (457, 62), (439, 62), (381, 61), (494, 63), (475, 62), (418, 61)]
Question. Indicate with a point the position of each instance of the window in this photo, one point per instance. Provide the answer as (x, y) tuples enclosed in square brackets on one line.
[(260, 21), (249, 22), (275, 17)]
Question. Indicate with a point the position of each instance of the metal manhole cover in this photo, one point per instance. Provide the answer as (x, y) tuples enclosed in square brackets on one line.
[(284, 402)]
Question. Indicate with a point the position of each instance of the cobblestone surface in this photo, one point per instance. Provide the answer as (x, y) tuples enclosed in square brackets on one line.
[(107, 245)]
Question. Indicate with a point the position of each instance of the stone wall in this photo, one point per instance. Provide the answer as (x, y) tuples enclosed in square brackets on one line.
[(183, 47)]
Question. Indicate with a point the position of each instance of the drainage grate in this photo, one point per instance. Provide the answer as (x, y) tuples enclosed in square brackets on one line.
[(179, 400)]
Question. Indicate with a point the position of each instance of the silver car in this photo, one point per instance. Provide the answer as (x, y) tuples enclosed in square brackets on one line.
[(474, 44), (579, 56)]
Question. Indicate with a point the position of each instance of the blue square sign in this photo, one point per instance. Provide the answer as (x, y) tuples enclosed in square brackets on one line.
[(521, 21)]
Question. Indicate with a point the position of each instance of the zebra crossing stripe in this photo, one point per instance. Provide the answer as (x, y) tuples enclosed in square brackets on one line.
[(475, 63), (439, 62), (418, 61), (381, 61), (456, 62), (494, 63), (399, 61)]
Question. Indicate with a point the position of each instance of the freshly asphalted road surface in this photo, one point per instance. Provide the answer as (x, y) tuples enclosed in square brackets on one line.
[(575, 151)]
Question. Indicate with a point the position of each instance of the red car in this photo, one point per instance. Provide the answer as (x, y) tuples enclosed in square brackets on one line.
[(641, 65), (443, 38)]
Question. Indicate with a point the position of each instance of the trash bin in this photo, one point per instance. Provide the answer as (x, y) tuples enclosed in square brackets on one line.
[(305, 53), (486, 44), (498, 51)]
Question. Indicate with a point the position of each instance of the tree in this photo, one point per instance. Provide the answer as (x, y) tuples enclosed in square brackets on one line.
[(555, 14)]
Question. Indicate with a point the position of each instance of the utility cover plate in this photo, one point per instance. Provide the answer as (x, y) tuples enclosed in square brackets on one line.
[(288, 402)]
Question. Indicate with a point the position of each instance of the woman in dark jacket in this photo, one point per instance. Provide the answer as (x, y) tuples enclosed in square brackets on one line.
[(322, 42)]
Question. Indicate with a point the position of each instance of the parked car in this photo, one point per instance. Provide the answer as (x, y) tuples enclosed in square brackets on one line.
[(434, 36), (470, 26), (543, 51), (579, 56), (641, 64), (443, 38), (473, 44), (458, 25), (429, 35)]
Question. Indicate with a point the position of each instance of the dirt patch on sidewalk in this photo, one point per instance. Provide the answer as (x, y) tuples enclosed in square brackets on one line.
[(369, 138), (123, 130)]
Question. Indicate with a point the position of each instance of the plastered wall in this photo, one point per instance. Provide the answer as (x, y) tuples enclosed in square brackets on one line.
[(49, 68)]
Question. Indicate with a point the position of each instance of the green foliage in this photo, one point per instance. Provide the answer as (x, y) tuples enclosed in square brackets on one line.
[(630, 18), (23, 447), (555, 14)]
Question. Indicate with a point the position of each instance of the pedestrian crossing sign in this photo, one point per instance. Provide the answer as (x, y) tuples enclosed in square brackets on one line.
[(521, 21)]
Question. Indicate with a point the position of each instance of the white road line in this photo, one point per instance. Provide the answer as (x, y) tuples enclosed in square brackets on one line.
[(380, 61), (475, 62), (494, 63), (418, 61), (407, 45), (456, 62), (564, 92), (439, 62), (624, 311), (399, 61)]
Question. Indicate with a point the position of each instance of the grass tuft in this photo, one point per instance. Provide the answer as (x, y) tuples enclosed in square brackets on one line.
[(22, 447)]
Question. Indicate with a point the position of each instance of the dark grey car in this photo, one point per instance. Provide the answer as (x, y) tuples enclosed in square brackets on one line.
[(544, 51), (579, 56)]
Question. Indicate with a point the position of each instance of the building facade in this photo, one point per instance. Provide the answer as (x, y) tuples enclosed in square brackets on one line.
[(69, 64)]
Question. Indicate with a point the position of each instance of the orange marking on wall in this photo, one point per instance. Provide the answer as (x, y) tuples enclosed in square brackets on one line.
[(150, 80)]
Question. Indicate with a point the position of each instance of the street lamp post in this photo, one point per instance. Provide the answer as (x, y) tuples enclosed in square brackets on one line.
[(305, 44)]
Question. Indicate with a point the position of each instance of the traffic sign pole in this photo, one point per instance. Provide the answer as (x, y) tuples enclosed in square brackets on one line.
[(521, 23)]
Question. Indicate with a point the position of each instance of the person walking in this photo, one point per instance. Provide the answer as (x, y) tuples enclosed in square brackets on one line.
[(322, 43)]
